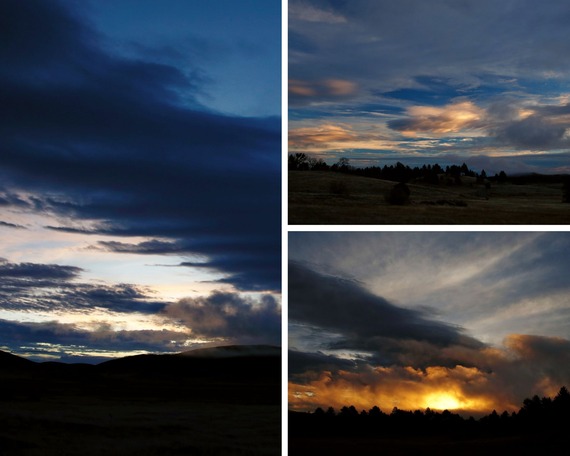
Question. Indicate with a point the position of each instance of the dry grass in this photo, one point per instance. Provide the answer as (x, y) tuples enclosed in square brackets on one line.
[(312, 203)]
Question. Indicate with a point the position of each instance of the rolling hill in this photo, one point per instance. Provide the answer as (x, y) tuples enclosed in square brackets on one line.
[(221, 400)]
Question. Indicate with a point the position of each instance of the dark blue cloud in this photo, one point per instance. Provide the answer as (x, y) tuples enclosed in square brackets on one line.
[(11, 225), (34, 271), (92, 136), (54, 287), (52, 339), (362, 320), (434, 91)]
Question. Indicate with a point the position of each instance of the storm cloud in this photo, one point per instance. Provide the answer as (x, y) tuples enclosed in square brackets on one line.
[(363, 320), (230, 316)]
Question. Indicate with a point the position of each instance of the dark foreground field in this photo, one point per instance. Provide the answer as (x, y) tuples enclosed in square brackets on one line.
[(399, 446), (324, 197), (145, 405)]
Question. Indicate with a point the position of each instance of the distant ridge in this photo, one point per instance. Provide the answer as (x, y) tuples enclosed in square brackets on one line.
[(231, 361), (238, 374), (216, 352), (8, 360), (232, 351)]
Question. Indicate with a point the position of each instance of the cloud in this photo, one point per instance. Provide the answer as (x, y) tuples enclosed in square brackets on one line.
[(52, 288), (300, 362), (230, 316), (34, 271), (387, 387), (445, 65), (12, 225), (548, 358), (364, 321), (534, 133), (352, 347), (452, 118), (153, 246), (500, 379), (52, 339), (310, 13), (124, 147), (301, 91), (386, 44), (322, 137)]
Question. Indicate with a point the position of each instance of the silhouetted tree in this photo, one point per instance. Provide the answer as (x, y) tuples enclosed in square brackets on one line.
[(375, 412), (348, 412), (502, 178), (319, 412), (343, 165), (298, 161), (538, 417)]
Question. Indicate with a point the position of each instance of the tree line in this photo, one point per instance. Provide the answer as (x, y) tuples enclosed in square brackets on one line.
[(431, 174), (535, 416)]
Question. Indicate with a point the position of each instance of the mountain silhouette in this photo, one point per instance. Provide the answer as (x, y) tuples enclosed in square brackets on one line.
[(8, 361), (238, 373)]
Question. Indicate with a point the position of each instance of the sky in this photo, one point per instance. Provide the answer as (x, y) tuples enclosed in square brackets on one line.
[(140, 176), (445, 81), (465, 321)]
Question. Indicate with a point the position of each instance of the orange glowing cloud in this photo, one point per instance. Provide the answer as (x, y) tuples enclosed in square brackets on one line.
[(335, 137), (324, 88), (321, 135), (439, 388), (451, 118), (524, 366), (339, 87), (301, 88)]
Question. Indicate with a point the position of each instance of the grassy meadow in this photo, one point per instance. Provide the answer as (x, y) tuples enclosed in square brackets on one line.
[(323, 197)]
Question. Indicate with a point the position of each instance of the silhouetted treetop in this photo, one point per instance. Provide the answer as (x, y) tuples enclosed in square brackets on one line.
[(429, 174), (535, 416)]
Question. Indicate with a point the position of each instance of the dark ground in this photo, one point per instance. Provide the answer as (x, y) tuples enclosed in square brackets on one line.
[(514, 445), (148, 405), (325, 197)]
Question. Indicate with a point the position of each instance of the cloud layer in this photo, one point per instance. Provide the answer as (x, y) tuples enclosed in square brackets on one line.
[(469, 78), (124, 145), (54, 291)]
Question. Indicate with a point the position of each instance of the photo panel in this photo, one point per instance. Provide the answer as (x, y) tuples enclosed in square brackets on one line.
[(455, 342), (432, 112), (140, 227)]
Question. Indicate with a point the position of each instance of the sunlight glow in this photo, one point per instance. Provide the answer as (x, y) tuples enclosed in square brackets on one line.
[(442, 401)]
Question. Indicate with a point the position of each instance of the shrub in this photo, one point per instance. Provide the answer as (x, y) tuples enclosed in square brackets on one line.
[(399, 194)]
